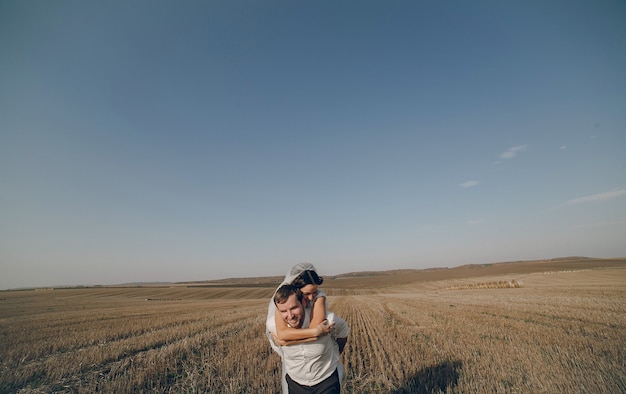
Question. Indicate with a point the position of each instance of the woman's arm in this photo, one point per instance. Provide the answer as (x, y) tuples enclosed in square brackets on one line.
[(280, 342), (286, 333), (318, 311)]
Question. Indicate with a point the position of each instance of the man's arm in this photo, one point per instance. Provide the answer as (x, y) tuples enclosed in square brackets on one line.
[(342, 343), (341, 331)]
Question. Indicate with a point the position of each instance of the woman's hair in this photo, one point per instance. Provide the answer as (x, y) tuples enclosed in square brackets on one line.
[(308, 277)]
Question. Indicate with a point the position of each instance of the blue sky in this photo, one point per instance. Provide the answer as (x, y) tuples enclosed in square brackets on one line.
[(173, 141)]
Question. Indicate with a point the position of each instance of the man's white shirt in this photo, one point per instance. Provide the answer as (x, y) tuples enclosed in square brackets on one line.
[(310, 363)]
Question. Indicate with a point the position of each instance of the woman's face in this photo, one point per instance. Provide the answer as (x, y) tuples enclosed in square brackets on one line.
[(309, 292)]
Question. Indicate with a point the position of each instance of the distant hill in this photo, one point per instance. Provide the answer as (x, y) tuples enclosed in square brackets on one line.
[(404, 276), (373, 279)]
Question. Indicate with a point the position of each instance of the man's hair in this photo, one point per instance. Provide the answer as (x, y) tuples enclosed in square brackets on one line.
[(284, 292), (308, 277)]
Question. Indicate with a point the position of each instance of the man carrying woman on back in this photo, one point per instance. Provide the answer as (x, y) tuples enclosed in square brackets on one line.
[(306, 337)]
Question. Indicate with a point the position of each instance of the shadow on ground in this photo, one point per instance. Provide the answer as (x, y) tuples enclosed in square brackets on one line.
[(434, 379)]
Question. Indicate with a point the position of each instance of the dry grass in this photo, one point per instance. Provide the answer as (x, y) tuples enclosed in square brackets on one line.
[(560, 332), (116, 341), (563, 335), (499, 284)]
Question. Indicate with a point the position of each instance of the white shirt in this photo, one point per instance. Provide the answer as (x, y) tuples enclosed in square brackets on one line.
[(310, 363)]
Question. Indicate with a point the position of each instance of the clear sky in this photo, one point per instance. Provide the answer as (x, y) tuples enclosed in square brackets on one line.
[(192, 140)]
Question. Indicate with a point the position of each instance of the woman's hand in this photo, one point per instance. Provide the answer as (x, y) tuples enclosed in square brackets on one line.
[(278, 341), (324, 328)]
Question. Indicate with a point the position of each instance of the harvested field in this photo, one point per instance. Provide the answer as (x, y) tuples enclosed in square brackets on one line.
[(562, 331)]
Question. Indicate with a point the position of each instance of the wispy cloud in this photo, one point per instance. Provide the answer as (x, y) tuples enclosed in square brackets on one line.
[(563, 147), (512, 152), (598, 197), (468, 184)]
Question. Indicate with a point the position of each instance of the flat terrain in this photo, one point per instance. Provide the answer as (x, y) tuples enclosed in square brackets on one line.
[(548, 326)]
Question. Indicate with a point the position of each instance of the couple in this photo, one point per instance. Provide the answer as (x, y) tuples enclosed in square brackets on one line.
[(305, 335)]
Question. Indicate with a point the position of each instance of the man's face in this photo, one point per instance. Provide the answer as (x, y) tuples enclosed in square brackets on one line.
[(292, 311)]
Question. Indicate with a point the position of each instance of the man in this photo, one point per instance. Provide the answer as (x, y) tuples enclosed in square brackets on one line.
[(312, 366)]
